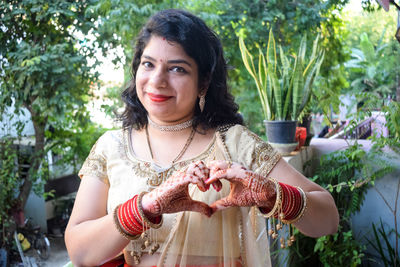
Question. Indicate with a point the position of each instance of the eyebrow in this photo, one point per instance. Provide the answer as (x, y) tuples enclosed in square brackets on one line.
[(173, 61)]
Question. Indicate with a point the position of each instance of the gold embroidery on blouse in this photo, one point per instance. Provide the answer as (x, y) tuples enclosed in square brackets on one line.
[(120, 146), (95, 165), (144, 170), (264, 157)]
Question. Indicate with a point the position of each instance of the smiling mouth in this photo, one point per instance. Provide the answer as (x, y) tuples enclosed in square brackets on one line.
[(158, 98)]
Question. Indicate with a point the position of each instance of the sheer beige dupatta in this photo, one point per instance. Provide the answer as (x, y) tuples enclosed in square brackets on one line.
[(233, 237)]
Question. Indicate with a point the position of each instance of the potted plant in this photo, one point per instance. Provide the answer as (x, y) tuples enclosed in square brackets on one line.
[(284, 86)]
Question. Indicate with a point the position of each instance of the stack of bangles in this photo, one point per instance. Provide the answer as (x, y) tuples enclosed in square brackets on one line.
[(130, 220), (290, 204)]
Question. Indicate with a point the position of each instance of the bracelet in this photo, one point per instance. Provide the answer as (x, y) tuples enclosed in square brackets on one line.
[(133, 216), (124, 223), (290, 196), (146, 221), (278, 201), (119, 227), (303, 209), (128, 211), (289, 208)]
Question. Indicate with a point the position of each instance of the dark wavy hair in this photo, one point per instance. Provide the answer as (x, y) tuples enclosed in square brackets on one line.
[(201, 44)]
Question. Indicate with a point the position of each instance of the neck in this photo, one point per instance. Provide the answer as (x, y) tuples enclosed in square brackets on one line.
[(173, 137), (171, 127)]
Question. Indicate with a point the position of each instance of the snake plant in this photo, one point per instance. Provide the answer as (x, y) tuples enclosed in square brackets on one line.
[(285, 84)]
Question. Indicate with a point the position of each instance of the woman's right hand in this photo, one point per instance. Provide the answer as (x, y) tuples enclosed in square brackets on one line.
[(173, 195)]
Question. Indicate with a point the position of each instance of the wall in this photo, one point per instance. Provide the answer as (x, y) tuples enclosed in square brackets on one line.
[(8, 120), (34, 209)]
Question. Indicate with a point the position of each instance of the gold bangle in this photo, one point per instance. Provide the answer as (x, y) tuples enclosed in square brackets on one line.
[(146, 221), (278, 200), (119, 228), (303, 209)]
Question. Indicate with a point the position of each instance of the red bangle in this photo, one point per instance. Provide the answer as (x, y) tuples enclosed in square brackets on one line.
[(133, 219), (292, 201), (129, 217), (123, 222)]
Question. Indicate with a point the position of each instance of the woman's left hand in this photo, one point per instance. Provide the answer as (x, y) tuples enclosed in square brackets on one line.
[(173, 195), (247, 187)]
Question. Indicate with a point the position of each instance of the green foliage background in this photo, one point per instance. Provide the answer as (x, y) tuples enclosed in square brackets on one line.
[(252, 19), (48, 66)]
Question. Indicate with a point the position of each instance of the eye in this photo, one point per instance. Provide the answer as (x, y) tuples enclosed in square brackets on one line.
[(178, 69), (147, 64)]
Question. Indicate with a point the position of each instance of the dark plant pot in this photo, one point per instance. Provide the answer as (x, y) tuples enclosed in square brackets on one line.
[(281, 135), (281, 132)]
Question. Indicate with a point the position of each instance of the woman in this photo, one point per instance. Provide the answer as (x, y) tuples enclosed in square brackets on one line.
[(208, 177)]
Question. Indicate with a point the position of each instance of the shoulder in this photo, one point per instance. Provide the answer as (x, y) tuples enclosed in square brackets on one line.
[(112, 135), (249, 149), (240, 135), (108, 140), (241, 131)]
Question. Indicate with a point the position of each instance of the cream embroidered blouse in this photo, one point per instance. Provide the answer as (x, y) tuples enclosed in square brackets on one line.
[(189, 237)]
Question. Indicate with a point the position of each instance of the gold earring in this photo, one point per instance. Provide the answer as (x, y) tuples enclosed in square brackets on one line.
[(202, 102)]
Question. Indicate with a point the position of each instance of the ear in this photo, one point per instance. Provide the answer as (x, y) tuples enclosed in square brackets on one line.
[(202, 92), (203, 86)]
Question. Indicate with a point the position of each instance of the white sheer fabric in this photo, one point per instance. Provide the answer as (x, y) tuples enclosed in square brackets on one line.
[(233, 237)]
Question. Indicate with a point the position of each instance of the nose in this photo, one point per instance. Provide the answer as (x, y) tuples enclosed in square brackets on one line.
[(158, 78)]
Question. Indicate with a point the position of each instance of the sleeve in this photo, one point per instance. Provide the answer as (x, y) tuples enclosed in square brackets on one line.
[(95, 164), (246, 148)]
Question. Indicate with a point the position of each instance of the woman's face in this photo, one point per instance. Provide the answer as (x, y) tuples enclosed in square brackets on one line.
[(167, 81)]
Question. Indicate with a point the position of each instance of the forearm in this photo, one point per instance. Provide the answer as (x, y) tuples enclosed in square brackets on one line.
[(321, 216), (93, 242)]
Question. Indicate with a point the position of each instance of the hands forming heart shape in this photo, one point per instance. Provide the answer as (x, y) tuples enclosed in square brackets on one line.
[(247, 189)]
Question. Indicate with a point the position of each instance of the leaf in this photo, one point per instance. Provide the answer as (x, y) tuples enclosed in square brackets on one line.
[(271, 52), (338, 188), (367, 47), (297, 88), (248, 63)]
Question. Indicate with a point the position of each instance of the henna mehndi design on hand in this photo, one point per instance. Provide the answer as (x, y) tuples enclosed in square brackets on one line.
[(173, 195), (247, 187)]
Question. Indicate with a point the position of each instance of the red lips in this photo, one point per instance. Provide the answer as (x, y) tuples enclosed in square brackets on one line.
[(158, 98)]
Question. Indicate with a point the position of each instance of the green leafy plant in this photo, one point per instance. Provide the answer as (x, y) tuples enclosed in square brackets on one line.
[(346, 176), (373, 68), (284, 85), (381, 244), (46, 70), (392, 116), (340, 249), (9, 182)]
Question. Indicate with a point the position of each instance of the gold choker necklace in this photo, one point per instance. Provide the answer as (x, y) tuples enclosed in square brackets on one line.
[(171, 128)]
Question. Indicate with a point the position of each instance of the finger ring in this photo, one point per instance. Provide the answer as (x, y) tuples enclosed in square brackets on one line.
[(229, 164)]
